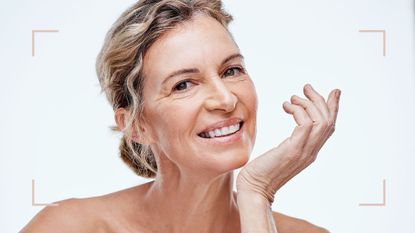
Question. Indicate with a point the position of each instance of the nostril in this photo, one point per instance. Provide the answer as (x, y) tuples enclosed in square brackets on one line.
[(221, 97)]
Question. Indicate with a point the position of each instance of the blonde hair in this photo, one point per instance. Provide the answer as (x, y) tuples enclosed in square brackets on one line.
[(119, 63)]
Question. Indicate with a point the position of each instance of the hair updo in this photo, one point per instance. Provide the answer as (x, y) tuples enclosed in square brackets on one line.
[(119, 63)]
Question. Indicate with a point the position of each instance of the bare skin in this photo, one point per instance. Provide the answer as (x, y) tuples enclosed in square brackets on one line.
[(117, 212), (193, 191)]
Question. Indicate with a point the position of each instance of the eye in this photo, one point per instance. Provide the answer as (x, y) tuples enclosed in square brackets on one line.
[(182, 85), (233, 71)]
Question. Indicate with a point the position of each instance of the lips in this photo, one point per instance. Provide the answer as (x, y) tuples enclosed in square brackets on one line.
[(222, 128)]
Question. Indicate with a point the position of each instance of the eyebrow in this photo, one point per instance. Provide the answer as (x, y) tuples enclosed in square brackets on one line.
[(195, 70)]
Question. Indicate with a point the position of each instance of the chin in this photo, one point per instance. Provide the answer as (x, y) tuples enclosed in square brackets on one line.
[(232, 161)]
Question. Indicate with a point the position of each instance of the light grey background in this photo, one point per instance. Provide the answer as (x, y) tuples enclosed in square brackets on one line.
[(54, 121)]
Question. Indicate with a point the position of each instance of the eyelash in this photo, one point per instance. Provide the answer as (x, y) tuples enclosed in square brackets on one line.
[(239, 69)]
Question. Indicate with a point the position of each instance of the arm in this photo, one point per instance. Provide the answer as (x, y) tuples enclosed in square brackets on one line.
[(265, 175), (255, 214)]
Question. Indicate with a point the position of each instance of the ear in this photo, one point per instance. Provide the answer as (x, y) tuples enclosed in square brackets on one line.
[(138, 135)]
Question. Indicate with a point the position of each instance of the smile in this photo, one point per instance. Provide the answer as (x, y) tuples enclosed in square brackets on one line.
[(222, 132)]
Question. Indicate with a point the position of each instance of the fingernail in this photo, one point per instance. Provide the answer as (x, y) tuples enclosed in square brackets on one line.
[(338, 92)]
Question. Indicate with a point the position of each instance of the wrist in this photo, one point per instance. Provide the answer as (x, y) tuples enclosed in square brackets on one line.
[(255, 213), (253, 198)]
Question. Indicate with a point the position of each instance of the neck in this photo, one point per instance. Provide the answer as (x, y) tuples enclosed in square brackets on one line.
[(194, 204)]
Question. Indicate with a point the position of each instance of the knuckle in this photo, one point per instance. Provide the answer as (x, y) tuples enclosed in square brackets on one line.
[(313, 158), (323, 124), (297, 109), (308, 124)]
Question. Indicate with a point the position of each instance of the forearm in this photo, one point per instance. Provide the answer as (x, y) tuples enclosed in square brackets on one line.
[(255, 214)]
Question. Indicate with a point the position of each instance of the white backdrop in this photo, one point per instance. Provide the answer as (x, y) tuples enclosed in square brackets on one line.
[(54, 121)]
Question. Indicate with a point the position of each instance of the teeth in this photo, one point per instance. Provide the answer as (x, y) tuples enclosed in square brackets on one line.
[(225, 130), (218, 132), (235, 127), (222, 131)]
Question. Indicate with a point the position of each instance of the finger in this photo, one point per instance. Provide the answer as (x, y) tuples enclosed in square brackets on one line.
[(300, 115), (321, 142), (333, 104), (333, 109), (304, 124), (317, 99), (320, 124), (314, 113)]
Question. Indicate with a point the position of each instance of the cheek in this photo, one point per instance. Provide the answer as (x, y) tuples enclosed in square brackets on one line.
[(247, 95), (173, 122), (252, 96), (174, 125)]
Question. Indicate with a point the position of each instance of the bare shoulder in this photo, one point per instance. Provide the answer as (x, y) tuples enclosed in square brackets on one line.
[(106, 213), (70, 215), (287, 224)]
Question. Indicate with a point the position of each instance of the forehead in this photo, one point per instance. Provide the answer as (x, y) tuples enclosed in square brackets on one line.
[(202, 40)]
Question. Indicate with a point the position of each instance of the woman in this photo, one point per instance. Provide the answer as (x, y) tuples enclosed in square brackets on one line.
[(187, 109)]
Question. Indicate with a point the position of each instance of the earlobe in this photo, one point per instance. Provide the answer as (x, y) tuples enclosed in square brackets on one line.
[(137, 134), (120, 117)]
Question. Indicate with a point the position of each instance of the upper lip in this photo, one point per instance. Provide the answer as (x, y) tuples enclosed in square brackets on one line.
[(224, 123)]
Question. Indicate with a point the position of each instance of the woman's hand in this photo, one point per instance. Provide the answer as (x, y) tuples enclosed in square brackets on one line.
[(315, 120)]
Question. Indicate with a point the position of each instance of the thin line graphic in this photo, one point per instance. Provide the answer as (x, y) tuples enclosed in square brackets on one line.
[(33, 198), (383, 199), (34, 36), (383, 37)]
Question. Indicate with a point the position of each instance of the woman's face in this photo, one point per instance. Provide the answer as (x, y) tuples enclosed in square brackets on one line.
[(199, 103)]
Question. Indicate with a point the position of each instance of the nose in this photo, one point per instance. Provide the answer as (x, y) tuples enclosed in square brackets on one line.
[(220, 97)]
